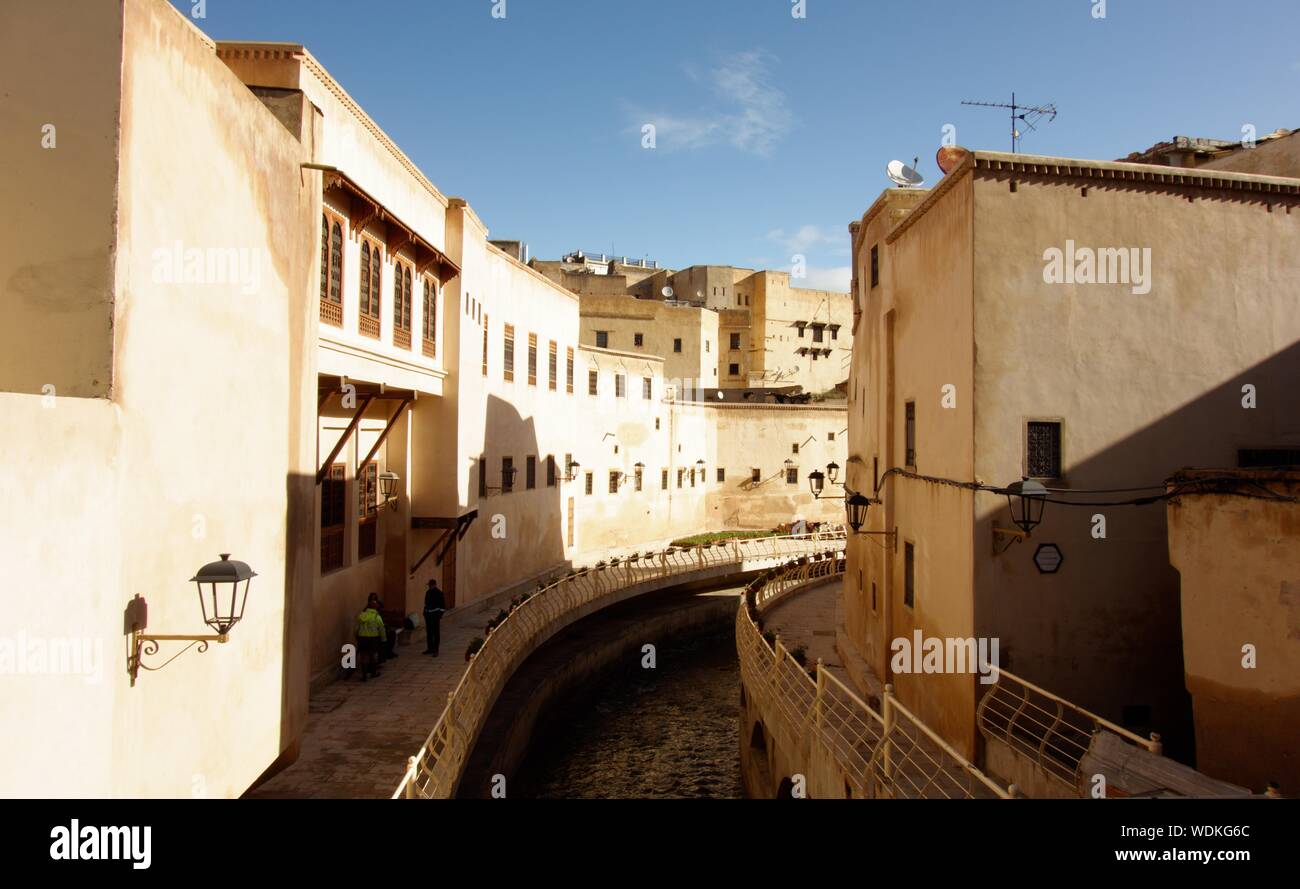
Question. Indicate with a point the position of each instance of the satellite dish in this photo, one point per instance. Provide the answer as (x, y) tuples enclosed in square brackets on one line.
[(901, 174), (667, 292), (949, 157)]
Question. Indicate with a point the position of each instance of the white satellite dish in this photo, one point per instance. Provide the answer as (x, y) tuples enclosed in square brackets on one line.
[(667, 292), (901, 174)]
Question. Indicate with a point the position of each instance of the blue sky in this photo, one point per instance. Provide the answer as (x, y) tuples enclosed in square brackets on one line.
[(772, 133)]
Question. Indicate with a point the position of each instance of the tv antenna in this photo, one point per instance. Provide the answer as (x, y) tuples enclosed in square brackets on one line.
[(1026, 114)]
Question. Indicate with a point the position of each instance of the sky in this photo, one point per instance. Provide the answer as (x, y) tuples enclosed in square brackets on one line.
[(771, 132)]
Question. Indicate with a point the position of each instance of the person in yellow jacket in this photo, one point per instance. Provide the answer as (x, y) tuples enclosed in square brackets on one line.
[(371, 634)]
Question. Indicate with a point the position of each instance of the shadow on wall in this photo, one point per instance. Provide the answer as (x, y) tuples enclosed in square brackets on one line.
[(520, 534), (1105, 631)]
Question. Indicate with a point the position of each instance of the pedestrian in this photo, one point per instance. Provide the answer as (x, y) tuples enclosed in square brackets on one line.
[(371, 635), (434, 605)]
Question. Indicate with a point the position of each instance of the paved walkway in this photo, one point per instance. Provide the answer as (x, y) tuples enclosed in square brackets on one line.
[(808, 618), (360, 735)]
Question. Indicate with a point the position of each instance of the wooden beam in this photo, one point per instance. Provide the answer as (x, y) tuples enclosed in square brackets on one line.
[(343, 439), (437, 540), (387, 429)]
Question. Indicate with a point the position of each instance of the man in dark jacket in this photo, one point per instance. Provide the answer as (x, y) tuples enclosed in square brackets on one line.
[(434, 605)]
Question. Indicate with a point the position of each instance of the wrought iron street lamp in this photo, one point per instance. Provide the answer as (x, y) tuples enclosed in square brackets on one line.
[(1032, 498), (857, 506), (816, 483), (569, 474), (833, 472), (388, 482), (221, 601)]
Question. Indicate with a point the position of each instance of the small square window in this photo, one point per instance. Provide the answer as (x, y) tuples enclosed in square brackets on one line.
[(830, 436), (755, 475), (722, 475), (1043, 449), (792, 476), (587, 484), (613, 481), (677, 344), (794, 448), (638, 339), (735, 341), (602, 339), (733, 370)]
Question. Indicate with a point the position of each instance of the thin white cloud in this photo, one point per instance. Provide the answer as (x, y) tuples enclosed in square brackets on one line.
[(752, 114), (810, 237), (838, 279)]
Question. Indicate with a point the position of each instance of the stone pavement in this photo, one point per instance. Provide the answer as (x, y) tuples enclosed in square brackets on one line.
[(809, 618), (359, 735)]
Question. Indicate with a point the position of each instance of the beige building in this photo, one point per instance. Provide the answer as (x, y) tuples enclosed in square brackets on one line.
[(1274, 154), (978, 362), (1241, 619), (729, 327), (266, 332)]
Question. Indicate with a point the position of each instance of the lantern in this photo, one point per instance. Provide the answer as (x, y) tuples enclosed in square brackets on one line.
[(221, 601), (1026, 499)]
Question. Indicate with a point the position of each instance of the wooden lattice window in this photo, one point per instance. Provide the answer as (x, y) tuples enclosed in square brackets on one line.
[(508, 354), (331, 271), (568, 360), (486, 328), (333, 519), (592, 382), (909, 433), (401, 305), (647, 387), (620, 386), (553, 368), (429, 318), (368, 317), (532, 359)]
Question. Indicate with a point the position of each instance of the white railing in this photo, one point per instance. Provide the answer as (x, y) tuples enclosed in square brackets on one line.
[(434, 771), (1048, 729), (888, 754)]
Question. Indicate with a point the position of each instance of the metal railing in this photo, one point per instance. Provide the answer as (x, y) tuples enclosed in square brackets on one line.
[(434, 771), (888, 754), (1048, 729)]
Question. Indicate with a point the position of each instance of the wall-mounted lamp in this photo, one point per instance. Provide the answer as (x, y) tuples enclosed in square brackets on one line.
[(1026, 500), (569, 474), (856, 506), (388, 482), (817, 479), (833, 472), (222, 605)]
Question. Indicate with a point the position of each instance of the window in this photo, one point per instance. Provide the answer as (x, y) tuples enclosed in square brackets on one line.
[(588, 483), (677, 344), (429, 318), (910, 434), (722, 475), (792, 475), (756, 475), (875, 264), (801, 328), (592, 377), (735, 341), (482, 477), (602, 339), (733, 370), (708, 345), (873, 594), (507, 475), (508, 354), (1043, 449), (638, 339), (681, 474), (620, 386), (692, 476), (568, 370), (331, 270), (637, 478), (819, 333), (367, 511), (656, 424), (552, 366), (530, 471), (332, 519), (830, 436), (835, 331), (909, 575), (613, 481), (401, 305), (532, 359), (368, 319), (794, 448), (486, 328), (550, 470), (663, 479), (647, 387)]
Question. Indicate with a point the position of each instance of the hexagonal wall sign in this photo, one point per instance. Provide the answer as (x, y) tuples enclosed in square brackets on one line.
[(1048, 557)]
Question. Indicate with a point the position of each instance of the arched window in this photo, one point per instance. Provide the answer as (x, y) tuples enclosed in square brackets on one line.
[(401, 305), (331, 270), (365, 278), (429, 318), (368, 318)]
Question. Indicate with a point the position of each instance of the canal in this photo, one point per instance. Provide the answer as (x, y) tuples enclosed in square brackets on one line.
[(586, 716), (665, 733)]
